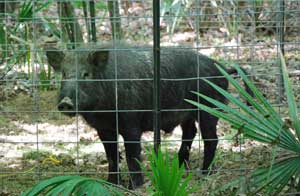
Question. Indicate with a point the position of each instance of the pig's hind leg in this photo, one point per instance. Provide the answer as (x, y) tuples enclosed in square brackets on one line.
[(189, 131), (208, 127)]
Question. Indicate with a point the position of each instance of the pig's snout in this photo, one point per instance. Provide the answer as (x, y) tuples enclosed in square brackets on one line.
[(66, 104)]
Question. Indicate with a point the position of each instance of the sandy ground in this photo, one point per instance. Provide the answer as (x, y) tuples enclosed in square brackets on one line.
[(59, 139)]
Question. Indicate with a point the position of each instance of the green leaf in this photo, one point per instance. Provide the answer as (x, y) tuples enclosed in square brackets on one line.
[(280, 175), (261, 127), (97, 189), (71, 185), (265, 107), (166, 175), (45, 184), (77, 185), (293, 112), (262, 106), (254, 121), (287, 135), (262, 123), (55, 190), (250, 118), (183, 188), (236, 122)]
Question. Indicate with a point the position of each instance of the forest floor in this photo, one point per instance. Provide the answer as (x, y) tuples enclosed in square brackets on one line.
[(29, 141)]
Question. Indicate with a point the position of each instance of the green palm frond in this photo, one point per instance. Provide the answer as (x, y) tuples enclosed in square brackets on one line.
[(262, 123), (76, 185), (166, 175)]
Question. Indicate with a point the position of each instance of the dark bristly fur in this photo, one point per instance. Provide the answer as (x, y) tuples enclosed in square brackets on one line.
[(103, 62)]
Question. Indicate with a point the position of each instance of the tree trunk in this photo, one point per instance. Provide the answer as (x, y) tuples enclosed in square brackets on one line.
[(115, 20), (93, 20), (69, 23)]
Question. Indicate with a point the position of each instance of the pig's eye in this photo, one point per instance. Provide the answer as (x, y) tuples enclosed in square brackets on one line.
[(85, 75)]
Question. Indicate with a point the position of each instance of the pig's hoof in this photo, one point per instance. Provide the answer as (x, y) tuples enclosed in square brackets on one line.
[(136, 181)]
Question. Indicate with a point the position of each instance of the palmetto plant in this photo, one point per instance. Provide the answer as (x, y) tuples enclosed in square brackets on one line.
[(76, 185), (177, 9), (166, 175), (17, 39), (261, 122)]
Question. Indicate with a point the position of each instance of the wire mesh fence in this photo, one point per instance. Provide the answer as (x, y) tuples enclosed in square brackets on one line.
[(50, 47)]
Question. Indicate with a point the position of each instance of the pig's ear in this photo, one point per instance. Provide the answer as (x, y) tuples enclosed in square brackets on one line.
[(98, 58), (55, 58)]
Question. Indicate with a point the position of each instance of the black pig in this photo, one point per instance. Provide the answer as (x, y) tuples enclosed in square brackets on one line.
[(89, 85)]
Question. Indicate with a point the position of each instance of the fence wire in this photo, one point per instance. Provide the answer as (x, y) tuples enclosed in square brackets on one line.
[(38, 142)]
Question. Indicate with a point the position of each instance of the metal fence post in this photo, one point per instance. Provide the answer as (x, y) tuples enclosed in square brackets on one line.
[(156, 80)]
